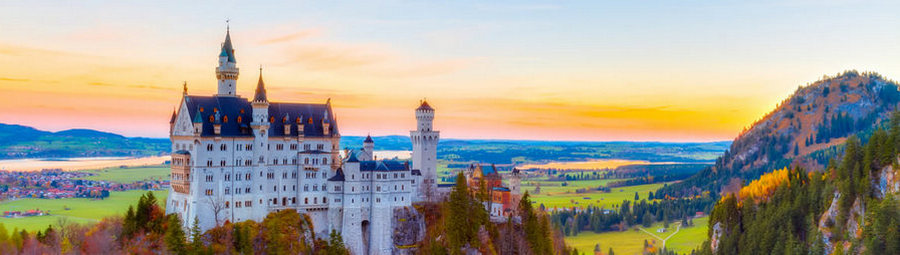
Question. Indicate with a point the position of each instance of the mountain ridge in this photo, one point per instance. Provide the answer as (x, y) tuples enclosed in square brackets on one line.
[(807, 128)]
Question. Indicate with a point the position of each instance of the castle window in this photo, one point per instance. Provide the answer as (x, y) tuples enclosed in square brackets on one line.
[(242, 112), (201, 109), (306, 201), (294, 200), (225, 118), (247, 190), (227, 205), (293, 147), (305, 187), (239, 120), (227, 178), (284, 119), (222, 163), (324, 161), (320, 147), (271, 119), (315, 200), (211, 119), (223, 147), (215, 109), (307, 147), (209, 147), (249, 204), (324, 200), (209, 192), (209, 163)]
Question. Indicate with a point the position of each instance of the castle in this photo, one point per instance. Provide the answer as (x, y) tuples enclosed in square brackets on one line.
[(236, 159)]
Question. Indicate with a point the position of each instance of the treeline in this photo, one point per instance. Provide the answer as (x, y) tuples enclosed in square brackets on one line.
[(462, 226), (146, 229), (787, 220), (630, 214)]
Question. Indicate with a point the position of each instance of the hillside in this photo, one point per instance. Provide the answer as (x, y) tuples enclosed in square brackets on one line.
[(851, 207), (25, 142), (803, 129)]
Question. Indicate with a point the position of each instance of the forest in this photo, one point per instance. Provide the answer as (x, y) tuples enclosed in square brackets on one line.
[(783, 211)]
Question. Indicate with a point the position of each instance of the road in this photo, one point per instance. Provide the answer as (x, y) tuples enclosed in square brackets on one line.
[(677, 228)]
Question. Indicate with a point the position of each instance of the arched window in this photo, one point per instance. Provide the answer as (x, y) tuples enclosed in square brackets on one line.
[(324, 161), (306, 201), (239, 120)]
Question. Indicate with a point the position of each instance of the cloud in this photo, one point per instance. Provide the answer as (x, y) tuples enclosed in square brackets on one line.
[(291, 37)]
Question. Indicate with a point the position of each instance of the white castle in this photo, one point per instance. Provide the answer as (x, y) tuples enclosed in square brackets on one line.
[(237, 159)]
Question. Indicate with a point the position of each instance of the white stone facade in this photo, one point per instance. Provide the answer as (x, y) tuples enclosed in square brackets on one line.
[(237, 159)]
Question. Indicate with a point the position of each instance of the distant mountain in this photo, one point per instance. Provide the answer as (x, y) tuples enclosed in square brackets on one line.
[(806, 129), (18, 141)]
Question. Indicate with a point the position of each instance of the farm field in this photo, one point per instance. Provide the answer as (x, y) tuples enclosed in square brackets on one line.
[(632, 242), (596, 198), (81, 210), (130, 174)]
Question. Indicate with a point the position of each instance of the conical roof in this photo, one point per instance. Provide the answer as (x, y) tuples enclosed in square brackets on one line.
[(260, 95), (227, 48)]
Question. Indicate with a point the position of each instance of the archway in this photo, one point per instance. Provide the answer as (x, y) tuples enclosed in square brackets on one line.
[(364, 227)]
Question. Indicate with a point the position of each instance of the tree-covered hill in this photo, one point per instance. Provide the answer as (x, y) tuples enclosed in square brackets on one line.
[(850, 207), (805, 129), (18, 141)]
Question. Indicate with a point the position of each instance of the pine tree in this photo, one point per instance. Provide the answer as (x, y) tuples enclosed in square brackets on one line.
[(636, 197), (458, 225), (610, 252), (175, 235), (196, 236)]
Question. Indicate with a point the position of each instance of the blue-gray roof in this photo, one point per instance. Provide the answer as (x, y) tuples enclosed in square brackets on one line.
[(309, 115), (338, 177), (369, 139), (383, 165), (227, 48)]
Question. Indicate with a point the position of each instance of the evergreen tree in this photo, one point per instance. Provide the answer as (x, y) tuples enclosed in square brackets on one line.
[(336, 244), (175, 235), (459, 225), (610, 252), (196, 236), (636, 197)]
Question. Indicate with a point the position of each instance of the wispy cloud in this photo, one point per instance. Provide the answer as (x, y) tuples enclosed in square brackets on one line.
[(291, 37)]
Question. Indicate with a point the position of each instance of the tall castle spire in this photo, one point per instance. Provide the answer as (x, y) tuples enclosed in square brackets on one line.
[(260, 95), (227, 71)]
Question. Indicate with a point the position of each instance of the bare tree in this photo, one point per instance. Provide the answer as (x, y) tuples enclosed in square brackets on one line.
[(216, 203)]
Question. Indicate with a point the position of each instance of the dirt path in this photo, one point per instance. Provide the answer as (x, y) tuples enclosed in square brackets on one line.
[(677, 228)]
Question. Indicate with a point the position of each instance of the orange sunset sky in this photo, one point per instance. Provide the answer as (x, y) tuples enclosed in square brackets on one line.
[(595, 70)]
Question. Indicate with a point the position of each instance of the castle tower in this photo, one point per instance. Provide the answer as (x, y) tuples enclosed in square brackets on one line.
[(369, 148), (227, 71), (424, 154), (260, 126), (515, 182)]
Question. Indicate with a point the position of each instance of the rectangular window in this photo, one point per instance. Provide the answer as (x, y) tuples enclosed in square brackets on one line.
[(209, 192), (320, 147)]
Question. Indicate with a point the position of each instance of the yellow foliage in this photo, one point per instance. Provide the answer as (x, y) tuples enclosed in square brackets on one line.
[(765, 186)]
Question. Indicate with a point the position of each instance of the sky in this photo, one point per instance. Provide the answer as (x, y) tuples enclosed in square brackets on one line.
[(544, 70)]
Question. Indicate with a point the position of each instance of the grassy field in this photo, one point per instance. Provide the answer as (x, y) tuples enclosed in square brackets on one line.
[(558, 197), (80, 209), (632, 242), (130, 174)]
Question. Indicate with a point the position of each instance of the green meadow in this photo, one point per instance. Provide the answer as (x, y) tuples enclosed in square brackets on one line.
[(632, 242), (80, 210), (562, 197), (130, 174)]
